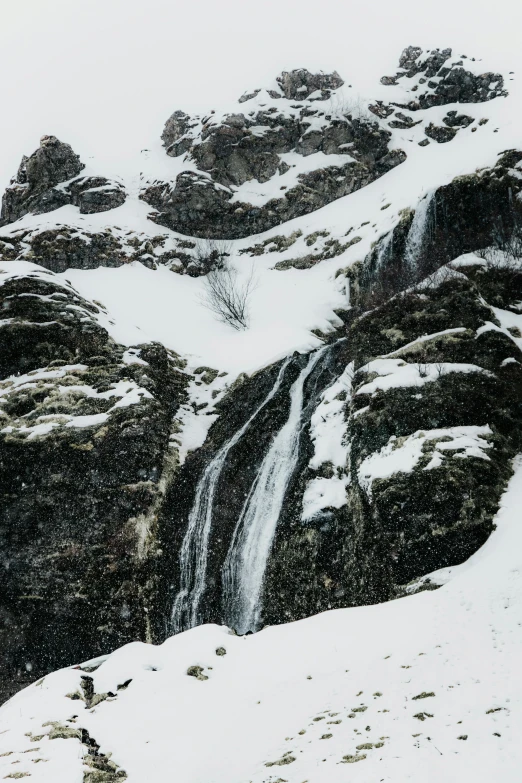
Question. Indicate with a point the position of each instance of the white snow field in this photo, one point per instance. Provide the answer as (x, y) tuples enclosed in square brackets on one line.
[(425, 688)]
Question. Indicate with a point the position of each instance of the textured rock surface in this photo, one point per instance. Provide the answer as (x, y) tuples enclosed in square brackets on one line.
[(426, 519), (234, 149), (94, 505), (443, 79), (195, 206), (84, 449), (470, 213), (241, 467), (299, 84), (34, 189), (70, 247)]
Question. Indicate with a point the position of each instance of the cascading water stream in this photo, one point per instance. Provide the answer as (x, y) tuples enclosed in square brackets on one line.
[(384, 251), (245, 564), (417, 233), (194, 549)]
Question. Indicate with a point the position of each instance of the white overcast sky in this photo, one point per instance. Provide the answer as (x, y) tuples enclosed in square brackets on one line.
[(104, 75)]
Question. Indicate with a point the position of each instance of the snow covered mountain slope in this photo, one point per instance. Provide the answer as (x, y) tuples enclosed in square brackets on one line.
[(338, 234), (354, 438), (421, 687)]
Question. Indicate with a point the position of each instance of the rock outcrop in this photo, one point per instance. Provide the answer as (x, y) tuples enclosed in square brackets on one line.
[(48, 180), (440, 79), (260, 145), (85, 457), (74, 247), (429, 79), (300, 84), (438, 511), (470, 213)]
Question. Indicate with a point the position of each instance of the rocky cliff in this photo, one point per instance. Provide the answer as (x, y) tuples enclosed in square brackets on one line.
[(158, 470)]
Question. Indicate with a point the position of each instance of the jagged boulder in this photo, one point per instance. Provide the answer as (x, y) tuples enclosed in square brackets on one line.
[(444, 79), (95, 194), (53, 162), (38, 186), (176, 126), (33, 188), (299, 84)]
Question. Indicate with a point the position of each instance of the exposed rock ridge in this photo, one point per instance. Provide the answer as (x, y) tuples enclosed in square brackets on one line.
[(441, 79), (63, 247), (259, 144), (48, 180)]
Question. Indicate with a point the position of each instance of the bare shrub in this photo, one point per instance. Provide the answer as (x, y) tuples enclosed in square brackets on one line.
[(422, 369), (226, 297), (210, 254), (505, 255), (440, 369), (422, 364)]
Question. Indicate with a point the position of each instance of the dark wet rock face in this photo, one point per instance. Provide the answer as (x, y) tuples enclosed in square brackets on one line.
[(409, 524), (239, 473), (404, 526), (470, 213), (437, 517), (35, 189), (80, 468)]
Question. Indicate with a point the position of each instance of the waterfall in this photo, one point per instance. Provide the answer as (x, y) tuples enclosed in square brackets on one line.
[(384, 250), (194, 549), (245, 564), (417, 232)]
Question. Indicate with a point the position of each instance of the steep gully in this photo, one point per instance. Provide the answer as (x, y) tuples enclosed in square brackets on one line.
[(243, 568)]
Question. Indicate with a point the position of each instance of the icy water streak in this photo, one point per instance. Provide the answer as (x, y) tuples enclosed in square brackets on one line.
[(245, 564), (418, 229), (194, 549)]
